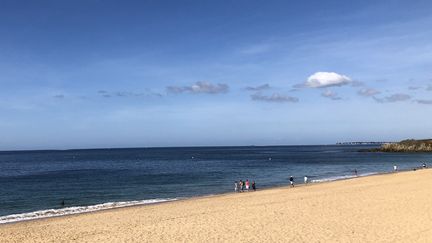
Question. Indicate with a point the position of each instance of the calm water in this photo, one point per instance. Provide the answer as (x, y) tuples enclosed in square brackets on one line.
[(39, 180)]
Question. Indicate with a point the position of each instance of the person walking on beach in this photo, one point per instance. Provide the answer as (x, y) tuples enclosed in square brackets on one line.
[(291, 179), (240, 186), (395, 168), (305, 179), (243, 186), (235, 186), (355, 172), (247, 185), (253, 186)]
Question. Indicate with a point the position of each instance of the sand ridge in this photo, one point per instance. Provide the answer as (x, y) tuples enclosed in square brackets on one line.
[(383, 208)]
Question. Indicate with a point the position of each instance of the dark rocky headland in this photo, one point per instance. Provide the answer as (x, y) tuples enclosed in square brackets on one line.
[(405, 146)]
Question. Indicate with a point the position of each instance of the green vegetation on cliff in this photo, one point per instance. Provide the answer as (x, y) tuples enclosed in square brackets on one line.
[(407, 146)]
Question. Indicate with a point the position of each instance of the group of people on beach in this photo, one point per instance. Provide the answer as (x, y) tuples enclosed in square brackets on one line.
[(305, 180), (396, 168), (241, 186), (423, 166)]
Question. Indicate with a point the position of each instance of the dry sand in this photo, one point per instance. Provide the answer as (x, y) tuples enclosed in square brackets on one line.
[(383, 208)]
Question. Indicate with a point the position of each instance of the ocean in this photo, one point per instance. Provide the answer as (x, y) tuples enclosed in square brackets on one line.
[(37, 184)]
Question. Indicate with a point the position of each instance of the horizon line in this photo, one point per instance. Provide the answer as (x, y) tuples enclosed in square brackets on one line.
[(192, 146)]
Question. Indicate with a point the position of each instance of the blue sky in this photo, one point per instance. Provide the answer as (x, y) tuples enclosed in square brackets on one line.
[(85, 74)]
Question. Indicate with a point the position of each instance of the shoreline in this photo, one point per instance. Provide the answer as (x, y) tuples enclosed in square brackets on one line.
[(180, 199), (391, 207)]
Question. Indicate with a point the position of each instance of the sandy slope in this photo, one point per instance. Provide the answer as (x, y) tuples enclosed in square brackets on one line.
[(384, 208)]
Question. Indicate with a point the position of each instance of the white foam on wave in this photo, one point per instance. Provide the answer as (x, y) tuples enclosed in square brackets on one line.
[(370, 173), (343, 177), (75, 210)]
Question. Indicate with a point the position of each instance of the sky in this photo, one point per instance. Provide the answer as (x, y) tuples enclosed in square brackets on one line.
[(99, 74)]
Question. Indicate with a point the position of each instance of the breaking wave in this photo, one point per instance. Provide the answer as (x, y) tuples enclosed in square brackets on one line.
[(76, 210)]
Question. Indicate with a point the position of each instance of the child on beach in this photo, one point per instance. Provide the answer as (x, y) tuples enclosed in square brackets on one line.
[(253, 186), (291, 179), (247, 185)]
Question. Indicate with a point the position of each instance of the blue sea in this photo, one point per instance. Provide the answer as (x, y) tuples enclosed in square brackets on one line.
[(35, 184)]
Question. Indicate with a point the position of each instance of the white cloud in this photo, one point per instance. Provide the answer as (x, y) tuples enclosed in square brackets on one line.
[(326, 79)]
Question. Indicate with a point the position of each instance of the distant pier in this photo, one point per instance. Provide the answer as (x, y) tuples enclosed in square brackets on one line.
[(362, 143)]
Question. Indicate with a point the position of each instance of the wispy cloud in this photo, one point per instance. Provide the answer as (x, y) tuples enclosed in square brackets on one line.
[(414, 87), (393, 98), (368, 92), (147, 93), (258, 88), (104, 93), (256, 49), (330, 95), (59, 96), (135, 94), (381, 80), (357, 83), (201, 87), (424, 102), (325, 79), (429, 87), (275, 97)]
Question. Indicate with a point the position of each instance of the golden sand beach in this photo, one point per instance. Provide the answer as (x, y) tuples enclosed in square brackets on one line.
[(383, 208)]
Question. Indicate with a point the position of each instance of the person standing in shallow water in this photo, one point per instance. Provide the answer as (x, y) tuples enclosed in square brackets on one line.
[(235, 186), (305, 179), (253, 186), (291, 179), (240, 188), (247, 185)]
